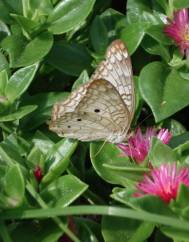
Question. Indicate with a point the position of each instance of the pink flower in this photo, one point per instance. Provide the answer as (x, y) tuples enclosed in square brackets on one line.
[(178, 30), (139, 144), (163, 182), (38, 173)]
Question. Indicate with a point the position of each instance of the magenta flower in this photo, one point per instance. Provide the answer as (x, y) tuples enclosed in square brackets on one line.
[(163, 182), (178, 30), (139, 144)]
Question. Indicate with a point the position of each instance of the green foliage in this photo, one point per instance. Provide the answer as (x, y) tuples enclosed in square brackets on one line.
[(49, 48)]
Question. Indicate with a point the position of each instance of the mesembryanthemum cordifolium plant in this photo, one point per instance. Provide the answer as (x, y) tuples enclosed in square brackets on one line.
[(56, 189)]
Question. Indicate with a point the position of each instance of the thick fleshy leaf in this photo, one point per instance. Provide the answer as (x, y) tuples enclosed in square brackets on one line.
[(58, 158), (19, 82), (20, 113), (140, 10), (63, 191), (23, 53), (127, 230), (3, 62), (165, 91), (89, 230), (155, 48), (99, 35), (70, 58), (44, 103), (160, 153), (42, 142), (45, 231), (35, 9), (132, 35), (14, 186), (110, 163), (27, 24), (83, 78), (68, 15), (3, 81), (157, 33), (111, 19), (180, 4), (4, 30), (152, 204), (176, 234)]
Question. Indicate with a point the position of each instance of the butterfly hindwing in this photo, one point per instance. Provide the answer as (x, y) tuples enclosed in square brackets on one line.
[(98, 114)]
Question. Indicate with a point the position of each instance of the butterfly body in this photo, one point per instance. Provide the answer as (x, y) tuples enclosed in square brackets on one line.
[(101, 109)]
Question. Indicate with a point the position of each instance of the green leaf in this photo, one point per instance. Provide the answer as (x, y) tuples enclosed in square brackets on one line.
[(147, 203), (140, 11), (4, 14), (14, 6), (179, 142), (155, 48), (83, 78), (42, 142), (3, 81), (43, 231), (58, 159), (166, 92), (63, 191), (175, 127), (14, 186), (180, 4), (161, 153), (175, 234), (35, 158), (68, 15), (182, 197), (20, 81), (44, 102), (27, 24), (23, 53), (3, 63), (157, 33), (136, 8), (88, 229), (127, 230), (10, 153), (99, 35), (110, 164), (132, 35), (70, 58), (4, 30), (111, 19), (17, 143), (20, 113), (40, 8)]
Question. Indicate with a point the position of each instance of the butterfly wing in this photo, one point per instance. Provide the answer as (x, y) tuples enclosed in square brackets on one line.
[(117, 69), (95, 111)]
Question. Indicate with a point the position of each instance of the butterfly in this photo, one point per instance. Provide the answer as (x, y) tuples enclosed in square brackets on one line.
[(102, 108)]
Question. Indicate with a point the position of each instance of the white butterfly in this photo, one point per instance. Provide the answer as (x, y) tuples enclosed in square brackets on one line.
[(103, 108)]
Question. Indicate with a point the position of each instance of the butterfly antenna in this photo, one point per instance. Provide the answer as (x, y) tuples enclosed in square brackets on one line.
[(144, 120)]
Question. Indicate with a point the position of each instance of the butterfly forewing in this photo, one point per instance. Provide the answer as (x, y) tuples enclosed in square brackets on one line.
[(101, 109), (117, 69)]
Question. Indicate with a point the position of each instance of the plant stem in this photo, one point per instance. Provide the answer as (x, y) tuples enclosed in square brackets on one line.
[(58, 221), (93, 198), (4, 232)]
